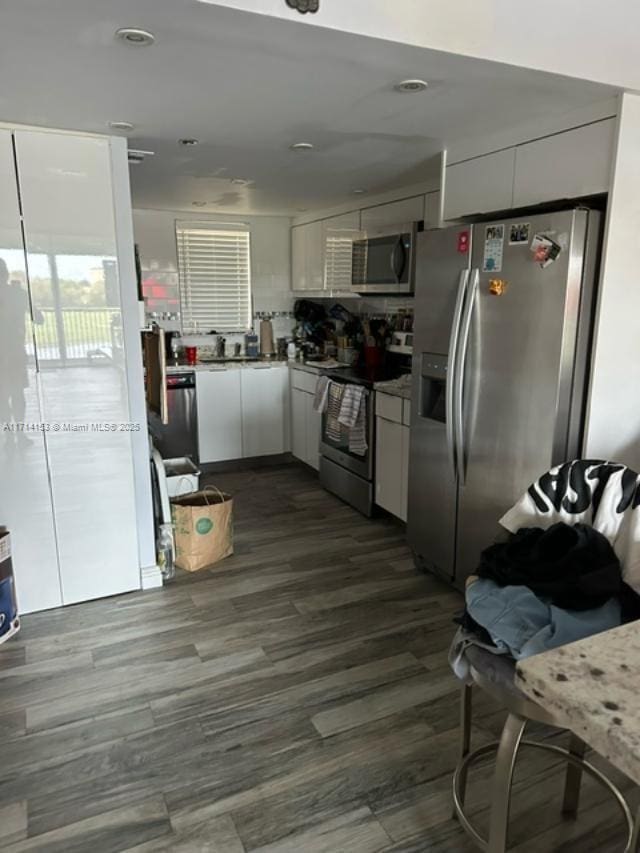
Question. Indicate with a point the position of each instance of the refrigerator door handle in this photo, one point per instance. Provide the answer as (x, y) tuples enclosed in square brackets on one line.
[(451, 371), (459, 375)]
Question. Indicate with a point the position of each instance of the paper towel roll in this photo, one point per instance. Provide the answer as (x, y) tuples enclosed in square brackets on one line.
[(266, 338)]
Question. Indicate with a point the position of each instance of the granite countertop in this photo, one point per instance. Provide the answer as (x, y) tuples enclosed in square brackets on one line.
[(238, 364), (396, 387), (591, 687)]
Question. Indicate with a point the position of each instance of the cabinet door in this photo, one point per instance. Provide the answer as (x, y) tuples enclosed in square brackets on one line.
[(480, 185), (219, 415), (299, 424), (406, 435), (432, 218), (339, 233), (264, 410), (567, 165), (313, 429), (315, 255), (389, 466), (395, 213), (298, 258), (307, 257), (25, 498), (72, 258)]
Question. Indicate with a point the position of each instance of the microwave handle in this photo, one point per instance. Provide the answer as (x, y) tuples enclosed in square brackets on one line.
[(398, 258)]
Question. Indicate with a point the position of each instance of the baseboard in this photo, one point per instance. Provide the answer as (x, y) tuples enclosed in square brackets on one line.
[(151, 577)]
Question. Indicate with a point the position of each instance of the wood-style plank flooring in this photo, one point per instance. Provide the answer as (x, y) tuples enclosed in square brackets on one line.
[(294, 698)]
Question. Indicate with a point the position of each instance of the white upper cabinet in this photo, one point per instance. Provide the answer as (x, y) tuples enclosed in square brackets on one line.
[(307, 256), (399, 213), (25, 497), (66, 187), (339, 233), (432, 218), (567, 165), (265, 410), (480, 185), (298, 257)]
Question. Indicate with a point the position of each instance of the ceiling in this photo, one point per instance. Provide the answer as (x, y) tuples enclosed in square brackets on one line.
[(247, 86)]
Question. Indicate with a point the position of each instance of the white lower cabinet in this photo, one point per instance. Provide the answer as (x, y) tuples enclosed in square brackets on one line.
[(392, 456), (242, 412), (219, 415), (306, 425), (265, 410)]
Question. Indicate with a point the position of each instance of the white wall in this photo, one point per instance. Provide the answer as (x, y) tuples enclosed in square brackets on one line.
[(154, 232), (589, 39), (613, 421)]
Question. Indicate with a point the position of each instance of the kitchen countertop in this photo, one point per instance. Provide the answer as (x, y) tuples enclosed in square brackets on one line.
[(591, 687), (396, 387), (239, 364)]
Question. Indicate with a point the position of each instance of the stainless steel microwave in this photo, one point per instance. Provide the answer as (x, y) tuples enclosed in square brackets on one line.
[(384, 261)]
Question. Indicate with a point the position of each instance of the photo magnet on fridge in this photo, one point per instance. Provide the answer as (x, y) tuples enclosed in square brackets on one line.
[(493, 247), (544, 250), (519, 233)]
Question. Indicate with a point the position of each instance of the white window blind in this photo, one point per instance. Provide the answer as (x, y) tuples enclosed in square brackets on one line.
[(337, 268), (215, 277)]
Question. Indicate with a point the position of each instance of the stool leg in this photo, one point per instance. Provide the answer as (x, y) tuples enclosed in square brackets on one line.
[(501, 790), (466, 697), (573, 779)]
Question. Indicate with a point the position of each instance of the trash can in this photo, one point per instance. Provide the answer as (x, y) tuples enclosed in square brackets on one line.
[(9, 620)]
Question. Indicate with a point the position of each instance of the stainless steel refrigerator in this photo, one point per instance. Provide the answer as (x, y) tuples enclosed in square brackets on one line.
[(503, 321)]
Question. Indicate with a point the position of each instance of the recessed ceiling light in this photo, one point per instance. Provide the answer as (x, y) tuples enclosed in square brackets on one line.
[(121, 125), (411, 86), (358, 191), (135, 36), (240, 182), (187, 142), (199, 203), (302, 146)]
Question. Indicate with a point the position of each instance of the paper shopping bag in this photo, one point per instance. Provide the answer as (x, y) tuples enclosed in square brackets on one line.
[(202, 528)]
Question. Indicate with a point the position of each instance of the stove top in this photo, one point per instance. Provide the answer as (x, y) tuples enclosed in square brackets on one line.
[(366, 376)]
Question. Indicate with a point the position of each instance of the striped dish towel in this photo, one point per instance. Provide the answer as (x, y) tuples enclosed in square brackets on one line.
[(321, 394), (353, 416), (333, 429)]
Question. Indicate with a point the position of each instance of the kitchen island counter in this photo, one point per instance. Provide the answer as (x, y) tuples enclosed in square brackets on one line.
[(591, 687)]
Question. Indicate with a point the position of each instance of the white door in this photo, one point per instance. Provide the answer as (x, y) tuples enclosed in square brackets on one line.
[(219, 415), (67, 197), (264, 410), (25, 497), (389, 466)]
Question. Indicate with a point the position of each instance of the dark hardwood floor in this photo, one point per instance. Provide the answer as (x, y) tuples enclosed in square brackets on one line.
[(295, 697)]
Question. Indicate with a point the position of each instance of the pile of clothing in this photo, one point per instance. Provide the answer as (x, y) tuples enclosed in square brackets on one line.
[(345, 407), (572, 575)]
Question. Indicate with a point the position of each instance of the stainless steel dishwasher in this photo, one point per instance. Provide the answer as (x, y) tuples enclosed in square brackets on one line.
[(179, 437)]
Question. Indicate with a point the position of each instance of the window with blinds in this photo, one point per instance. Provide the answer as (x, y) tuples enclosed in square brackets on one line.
[(337, 265), (215, 277)]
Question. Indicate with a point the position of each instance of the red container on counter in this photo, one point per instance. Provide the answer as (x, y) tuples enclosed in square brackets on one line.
[(191, 354), (373, 356)]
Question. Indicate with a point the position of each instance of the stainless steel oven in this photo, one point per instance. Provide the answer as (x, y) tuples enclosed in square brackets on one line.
[(384, 261), (347, 474)]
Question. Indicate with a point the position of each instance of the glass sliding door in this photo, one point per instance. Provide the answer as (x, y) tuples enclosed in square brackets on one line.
[(67, 196), (25, 494)]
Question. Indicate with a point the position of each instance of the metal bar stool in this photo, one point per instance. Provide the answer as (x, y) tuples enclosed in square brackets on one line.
[(495, 674)]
